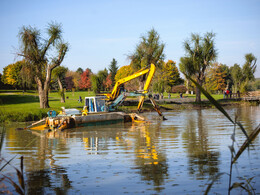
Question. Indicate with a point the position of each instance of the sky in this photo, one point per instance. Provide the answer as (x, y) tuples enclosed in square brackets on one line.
[(99, 30)]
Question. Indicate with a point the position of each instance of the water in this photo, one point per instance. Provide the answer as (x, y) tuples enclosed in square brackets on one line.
[(177, 156)]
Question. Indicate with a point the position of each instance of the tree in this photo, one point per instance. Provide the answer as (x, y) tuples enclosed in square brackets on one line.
[(149, 50), (35, 50), (113, 68), (201, 51), (171, 73), (11, 74), (95, 83), (159, 86), (59, 74), (236, 75), (85, 79), (216, 78), (26, 76), (187, 68), (248, 71), (79, 70), (123, 72), (228, 78), (241, 77), (249, 67), (108, 83), (102, 75), (2, 84), (254, 85), (69, 82), (99, 81), (74, 77), (18, 75), (166, 77)]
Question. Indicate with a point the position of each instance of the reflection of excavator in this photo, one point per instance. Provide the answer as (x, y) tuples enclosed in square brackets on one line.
[(116, 97), (150, 159)]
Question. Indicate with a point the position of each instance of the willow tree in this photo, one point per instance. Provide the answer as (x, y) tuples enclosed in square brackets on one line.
[(36, 52), (149, 50), (202, 52)]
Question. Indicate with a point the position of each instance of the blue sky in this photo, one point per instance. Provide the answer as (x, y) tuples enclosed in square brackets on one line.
[(100, 30)]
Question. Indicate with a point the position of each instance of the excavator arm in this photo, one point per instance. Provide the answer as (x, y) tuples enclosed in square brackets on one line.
[(116, 90)]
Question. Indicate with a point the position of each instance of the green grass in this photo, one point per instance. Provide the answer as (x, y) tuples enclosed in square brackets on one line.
[(16, 105)]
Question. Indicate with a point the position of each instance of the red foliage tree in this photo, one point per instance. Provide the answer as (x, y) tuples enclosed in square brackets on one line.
[(108, 82), (85, 81)]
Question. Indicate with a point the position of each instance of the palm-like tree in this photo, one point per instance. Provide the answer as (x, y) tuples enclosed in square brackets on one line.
[(150, 50), (34, 50), (187, 68), (201, 52)]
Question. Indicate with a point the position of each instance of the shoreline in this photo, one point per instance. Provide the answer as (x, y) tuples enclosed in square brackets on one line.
[(129, 105)]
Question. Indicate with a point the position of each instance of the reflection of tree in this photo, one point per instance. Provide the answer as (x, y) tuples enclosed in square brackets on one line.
[(45, 146), (248, 120), (48, 174), (202, 161), (151, 162), (54, 179)]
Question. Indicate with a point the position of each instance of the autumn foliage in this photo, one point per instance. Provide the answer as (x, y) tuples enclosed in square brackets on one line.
[(85, 80), (215, 80), (72, 80), (108, 82)]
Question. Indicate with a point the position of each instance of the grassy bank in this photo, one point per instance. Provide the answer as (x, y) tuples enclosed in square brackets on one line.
[(19, 106), (24, 106)]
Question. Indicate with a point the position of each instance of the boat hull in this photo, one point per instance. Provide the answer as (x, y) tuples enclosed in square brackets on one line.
[(65, 122)]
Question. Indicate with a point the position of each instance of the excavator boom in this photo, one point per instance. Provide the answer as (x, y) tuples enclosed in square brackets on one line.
[(116, 90), (115, 94)]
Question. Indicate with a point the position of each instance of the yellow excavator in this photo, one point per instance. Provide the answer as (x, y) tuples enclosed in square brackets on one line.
[(94, 106), (117, 96)]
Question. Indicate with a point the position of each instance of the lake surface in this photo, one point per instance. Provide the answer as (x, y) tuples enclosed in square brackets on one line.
[(176, 156)]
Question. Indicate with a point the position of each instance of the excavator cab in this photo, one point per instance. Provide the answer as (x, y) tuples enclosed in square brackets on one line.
[(96, 104)]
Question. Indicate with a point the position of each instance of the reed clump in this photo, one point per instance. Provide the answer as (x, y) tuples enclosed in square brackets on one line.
[(18, 186), (234, 155)]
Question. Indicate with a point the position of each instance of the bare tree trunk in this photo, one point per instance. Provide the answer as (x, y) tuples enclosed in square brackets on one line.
[(198, 92), (62, 95), (44, 89), (187, 85), (198, 95), (43, 96)]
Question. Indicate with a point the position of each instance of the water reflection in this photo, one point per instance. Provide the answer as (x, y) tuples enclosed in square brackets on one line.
[(202, 161), (54, 179), (157, 157), (142, 138), (41, 172), (150, 160)]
